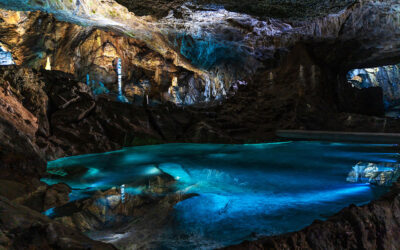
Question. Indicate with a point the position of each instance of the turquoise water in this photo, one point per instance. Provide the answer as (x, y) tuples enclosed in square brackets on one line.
[(244, 190)]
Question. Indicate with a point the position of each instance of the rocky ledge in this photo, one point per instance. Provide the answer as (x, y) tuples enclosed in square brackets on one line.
[(23, 228)]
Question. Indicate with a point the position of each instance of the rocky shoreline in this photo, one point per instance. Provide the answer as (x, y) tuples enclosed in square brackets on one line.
[(372, 226), (375, 225), (289, 74)]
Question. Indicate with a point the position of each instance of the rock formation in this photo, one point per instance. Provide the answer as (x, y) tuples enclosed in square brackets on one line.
[(210, 71), (377, 174), (23, 228)]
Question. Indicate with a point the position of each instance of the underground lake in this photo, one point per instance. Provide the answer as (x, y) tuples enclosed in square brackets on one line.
[(226, 193)]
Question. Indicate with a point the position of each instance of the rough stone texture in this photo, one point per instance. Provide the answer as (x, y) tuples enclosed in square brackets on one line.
[(105, 210), (45, 197), (23, 228), (36, 36), (189, 44), (266, 8), (35, 195), (300, 94), (20, 158), (278, 74), (372, 226)]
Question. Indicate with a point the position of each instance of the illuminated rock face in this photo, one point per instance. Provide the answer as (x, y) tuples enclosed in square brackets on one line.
[(386, 77), (188, 42), (383, 174)]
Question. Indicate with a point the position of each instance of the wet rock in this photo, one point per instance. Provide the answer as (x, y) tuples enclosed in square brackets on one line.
[(43, 197), (56, 195), (23, 228), (383, 174), (155, 184), (106, 210), (70, 173)]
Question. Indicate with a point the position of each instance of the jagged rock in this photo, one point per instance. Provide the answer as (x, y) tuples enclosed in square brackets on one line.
[(106, 209), (56, 195), (294, 70), (74, 113), (35, 195), (20, 158), (22, 228), (188, 43)]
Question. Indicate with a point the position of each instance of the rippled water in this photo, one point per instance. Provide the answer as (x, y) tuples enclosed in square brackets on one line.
[(244, 190)]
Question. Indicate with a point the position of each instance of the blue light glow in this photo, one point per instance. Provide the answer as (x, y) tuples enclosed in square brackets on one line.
[(269, 188), (206, 52), (49, 212), (152, 170), (176, 171)]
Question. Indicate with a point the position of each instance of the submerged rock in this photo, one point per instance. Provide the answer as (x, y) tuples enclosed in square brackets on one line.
[(381, 174), (106, 209)]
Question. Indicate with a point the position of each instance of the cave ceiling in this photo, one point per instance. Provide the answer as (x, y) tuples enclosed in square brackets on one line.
[(223, 41)]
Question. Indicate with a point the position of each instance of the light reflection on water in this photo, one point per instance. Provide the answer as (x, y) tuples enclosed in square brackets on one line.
[(243, 189)]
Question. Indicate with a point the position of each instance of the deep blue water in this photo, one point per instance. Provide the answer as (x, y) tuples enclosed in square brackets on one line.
[(243, 189)]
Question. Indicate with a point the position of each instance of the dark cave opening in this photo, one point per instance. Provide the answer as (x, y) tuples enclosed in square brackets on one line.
[(387, 78)]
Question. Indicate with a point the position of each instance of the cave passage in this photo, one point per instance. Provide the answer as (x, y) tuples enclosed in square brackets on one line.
[(243, 190), (385, 77)]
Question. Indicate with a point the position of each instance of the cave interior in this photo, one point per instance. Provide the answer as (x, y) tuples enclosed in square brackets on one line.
[(207, 124)]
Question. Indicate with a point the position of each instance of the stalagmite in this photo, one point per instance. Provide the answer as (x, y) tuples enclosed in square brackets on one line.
[(121, 96), (48, 64), (119, 72), (123, 193), (207, 90)]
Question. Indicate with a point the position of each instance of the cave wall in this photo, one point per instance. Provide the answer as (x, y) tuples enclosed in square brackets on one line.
[(33, 38), (289, 76), (187, 58)]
